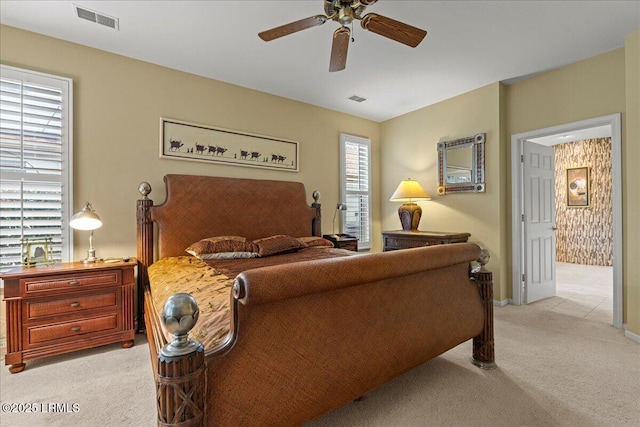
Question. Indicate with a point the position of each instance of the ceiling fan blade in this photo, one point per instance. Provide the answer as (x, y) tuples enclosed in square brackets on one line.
[(292, 27), (395, 30), (341, 38)]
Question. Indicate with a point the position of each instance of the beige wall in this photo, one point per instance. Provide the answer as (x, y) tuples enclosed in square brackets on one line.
[(631, 178), (117, 105), (409, 151)]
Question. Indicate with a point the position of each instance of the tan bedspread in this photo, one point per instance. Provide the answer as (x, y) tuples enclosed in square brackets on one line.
[(210, 284)]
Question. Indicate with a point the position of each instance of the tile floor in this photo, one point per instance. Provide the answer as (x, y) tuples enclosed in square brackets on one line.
[(584, 291)]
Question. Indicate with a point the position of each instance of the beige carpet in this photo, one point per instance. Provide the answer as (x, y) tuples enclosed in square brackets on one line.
[(553, 370)]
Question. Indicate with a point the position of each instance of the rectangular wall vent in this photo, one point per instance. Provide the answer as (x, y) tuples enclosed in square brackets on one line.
[(97, 17), (357, 98)]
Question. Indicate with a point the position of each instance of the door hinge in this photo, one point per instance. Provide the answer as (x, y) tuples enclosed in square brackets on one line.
[(522, 218), (524, 277), (521, 158)]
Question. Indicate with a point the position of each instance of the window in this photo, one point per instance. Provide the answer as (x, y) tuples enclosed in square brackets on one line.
[(355, 191), (35, 162)]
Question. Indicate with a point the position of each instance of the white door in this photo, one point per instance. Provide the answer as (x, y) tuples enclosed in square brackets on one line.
[(539, 222)]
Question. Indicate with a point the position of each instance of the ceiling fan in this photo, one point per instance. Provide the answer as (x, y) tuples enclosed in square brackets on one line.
[(344, 12)]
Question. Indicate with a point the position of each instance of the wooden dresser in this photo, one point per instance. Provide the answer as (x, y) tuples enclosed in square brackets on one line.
[(66, 307), (394, 240)]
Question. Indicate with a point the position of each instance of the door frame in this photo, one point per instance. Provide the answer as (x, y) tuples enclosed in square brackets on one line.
[(517, 241)]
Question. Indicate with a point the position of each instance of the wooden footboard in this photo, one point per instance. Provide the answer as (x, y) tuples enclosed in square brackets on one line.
[(182, 382)]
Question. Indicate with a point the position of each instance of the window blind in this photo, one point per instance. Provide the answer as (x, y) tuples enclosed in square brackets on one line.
[(35, 159), (355, 188)]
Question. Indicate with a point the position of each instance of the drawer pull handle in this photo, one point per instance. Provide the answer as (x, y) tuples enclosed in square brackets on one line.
[(76, 329), (75, 304), (74, 282)]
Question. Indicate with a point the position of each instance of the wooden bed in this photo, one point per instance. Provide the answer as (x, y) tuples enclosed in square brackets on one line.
[(305, 337)]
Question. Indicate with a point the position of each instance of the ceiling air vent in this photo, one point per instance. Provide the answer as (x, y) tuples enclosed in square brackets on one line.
[(97, 17), (357, 98)]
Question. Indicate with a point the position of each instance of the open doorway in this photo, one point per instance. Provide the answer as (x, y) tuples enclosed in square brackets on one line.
[(587, 129)]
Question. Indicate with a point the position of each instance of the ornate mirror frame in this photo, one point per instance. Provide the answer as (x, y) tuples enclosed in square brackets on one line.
[(476, 183)]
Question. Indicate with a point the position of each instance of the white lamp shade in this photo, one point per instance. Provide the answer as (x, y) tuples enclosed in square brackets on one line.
[(86, 219), (409, 191)]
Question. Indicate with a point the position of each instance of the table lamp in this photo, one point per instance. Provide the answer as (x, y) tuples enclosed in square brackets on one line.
[(339, 207), (409, 191), (87, 219)]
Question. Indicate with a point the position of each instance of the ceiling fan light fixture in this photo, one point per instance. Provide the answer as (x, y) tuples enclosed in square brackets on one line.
[(345, 16)]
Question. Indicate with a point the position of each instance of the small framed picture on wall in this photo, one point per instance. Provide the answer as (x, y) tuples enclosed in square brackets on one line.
[(578, 187)]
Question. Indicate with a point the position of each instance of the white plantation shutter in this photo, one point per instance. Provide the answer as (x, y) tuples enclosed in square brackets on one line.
[(35, 162), (355, 178)]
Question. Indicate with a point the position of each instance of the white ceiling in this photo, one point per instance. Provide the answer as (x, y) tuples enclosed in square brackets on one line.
[(577, 135), (469, 44)]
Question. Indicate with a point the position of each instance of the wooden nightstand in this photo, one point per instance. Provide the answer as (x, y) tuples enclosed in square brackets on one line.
[(393, 240), (343, 241), (66, 307)]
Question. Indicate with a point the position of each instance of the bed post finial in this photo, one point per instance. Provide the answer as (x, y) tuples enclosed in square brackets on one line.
[(144, 188), (179, 316)]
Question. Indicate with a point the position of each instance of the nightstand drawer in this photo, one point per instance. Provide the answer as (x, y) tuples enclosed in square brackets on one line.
[(350, 246), (393, 243), (343, 241), (38, 309), (71, 282), (394, 240), (38, 335)]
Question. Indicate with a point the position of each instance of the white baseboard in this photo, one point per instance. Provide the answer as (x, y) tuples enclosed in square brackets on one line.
[(501, 303), (632, 336)]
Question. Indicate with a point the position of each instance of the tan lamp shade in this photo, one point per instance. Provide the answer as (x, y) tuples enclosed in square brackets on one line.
[(409, 212)]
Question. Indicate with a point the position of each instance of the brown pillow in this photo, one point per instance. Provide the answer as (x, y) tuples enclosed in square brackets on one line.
[(278, 244), (223, 247), (316, 242)]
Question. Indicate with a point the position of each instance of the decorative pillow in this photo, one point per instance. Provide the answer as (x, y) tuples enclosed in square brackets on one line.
[(278, 244), (316, 242), (223, 247)]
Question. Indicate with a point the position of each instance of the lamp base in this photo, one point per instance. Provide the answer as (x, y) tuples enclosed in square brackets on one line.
[(91, 256), (410, 214)]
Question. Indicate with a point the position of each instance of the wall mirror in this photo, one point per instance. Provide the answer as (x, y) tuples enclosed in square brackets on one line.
[(461, 165)]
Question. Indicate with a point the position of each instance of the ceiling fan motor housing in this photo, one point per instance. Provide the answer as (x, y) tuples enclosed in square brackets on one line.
[(345, 11)]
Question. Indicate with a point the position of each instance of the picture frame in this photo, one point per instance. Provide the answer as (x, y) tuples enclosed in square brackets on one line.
[(181, 140), (578, 187), (37, 251)]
